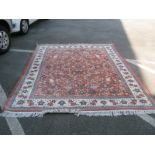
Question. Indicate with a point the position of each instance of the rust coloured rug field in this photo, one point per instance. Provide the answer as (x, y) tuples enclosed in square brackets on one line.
[(88, 79)]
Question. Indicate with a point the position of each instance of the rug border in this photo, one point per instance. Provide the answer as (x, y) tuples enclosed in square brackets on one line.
[(6, 105), (136, 76)]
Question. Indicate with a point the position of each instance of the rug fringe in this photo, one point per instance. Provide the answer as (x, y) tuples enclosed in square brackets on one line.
[(77, 113), (21, 114), (116, 113), (36, 114)]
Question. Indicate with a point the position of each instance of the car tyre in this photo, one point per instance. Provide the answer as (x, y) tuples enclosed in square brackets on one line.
[(5, 39), (24, 26)]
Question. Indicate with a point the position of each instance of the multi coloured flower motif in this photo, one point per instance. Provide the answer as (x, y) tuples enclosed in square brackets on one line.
[(86, 72), (79, 77)]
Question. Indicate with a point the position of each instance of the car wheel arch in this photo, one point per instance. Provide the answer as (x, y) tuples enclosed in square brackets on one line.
[(5, 24)]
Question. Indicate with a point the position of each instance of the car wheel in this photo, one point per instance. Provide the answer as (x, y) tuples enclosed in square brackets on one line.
[(5, 39), (24, 26)]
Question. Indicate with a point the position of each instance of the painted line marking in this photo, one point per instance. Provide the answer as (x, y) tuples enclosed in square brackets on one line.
[(141, 66), (13, 123), (21, 50), (14, 126), (2, 96), (148, 119), (140, 60), (148, 62)]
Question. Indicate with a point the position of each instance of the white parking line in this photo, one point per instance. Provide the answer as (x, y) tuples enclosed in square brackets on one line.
[(146, 61), (141, 66), (13, 123), (2, 96), (143, 61), (21, 50), (148, 119)]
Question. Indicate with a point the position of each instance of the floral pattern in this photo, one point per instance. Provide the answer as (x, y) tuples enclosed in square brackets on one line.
[(78, 76), (84, 72)]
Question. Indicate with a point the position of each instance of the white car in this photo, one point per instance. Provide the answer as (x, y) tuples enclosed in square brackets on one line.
[(8, 26), (5, 35), (22, 25)]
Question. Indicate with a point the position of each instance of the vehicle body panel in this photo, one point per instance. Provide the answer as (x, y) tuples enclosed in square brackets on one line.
[(16, 24), (8, 23)]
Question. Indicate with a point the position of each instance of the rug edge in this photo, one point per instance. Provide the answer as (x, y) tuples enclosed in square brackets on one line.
[(108, 113), (6, 105), (87, 113), (136, 76)]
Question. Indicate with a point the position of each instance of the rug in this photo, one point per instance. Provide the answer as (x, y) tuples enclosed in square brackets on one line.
[(84, 79)]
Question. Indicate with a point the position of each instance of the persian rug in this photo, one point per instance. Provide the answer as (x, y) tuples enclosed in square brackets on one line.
[(84, 79)]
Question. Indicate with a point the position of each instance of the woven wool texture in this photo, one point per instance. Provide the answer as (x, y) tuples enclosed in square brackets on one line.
[(89, 79)]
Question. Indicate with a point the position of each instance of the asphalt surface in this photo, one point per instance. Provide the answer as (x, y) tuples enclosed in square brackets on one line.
[(124, 36)]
